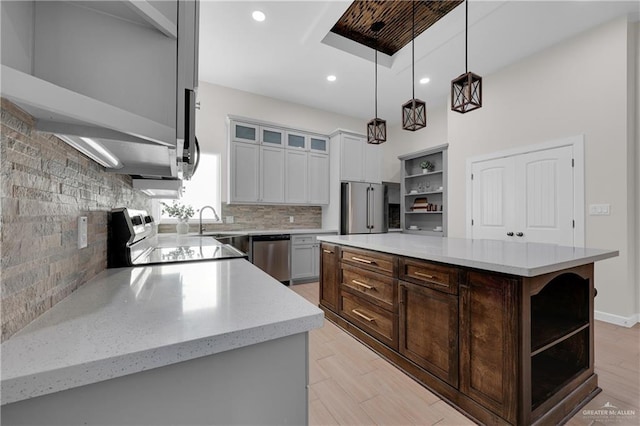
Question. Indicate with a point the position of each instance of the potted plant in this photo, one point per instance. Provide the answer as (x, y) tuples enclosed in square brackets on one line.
[(181, 212), (427, 166)]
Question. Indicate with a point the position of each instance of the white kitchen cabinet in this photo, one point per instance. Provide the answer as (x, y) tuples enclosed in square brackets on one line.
[(296, 176), (271, 136), (319, 144), (359, 161), (305, 257), (297, 140), (272, 175), (245, 132), (293, 165), (244, 161), (318, 192)]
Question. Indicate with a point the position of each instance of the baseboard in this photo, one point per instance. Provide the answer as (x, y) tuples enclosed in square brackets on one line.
[(617, 319)]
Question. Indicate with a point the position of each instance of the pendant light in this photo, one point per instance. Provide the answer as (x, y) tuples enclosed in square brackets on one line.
[(466, 90), (414, 112), (376, 128)]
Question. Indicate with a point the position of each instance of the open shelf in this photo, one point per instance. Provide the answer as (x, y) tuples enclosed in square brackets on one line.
[(560, 309), (553, 368), (430, 189), (552, 331), (435, 172), (422, 193)]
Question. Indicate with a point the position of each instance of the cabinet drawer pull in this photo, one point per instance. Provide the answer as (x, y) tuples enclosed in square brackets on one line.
[(427, 276), (361, 284), (358, 259), (363, 316), (327, 251)]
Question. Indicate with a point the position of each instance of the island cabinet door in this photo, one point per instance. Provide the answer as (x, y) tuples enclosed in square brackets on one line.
[(429, 330), (489, 342), (329, 284)]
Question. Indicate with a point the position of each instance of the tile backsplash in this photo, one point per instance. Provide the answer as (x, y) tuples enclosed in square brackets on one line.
[(45, 186), (249, 217)]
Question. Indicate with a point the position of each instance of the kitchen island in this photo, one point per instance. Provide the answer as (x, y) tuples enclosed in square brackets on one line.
[(503, 331), (188, 343)]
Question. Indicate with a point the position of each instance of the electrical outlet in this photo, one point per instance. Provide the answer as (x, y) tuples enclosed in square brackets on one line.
[(290, 219), (599, 209), (82, 232), (229, 219)]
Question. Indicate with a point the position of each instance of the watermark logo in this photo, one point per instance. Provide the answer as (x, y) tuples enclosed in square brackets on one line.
[(609, 413)]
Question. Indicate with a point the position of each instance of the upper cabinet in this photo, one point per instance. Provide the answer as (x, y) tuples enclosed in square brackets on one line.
[(293, 167), (359, 161), (113, 71)]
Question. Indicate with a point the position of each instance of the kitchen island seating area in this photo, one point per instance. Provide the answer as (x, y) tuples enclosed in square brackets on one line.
[(503, 331)]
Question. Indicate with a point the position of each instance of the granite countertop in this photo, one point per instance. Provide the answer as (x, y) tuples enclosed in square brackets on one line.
[(523, 259), (127, 320)]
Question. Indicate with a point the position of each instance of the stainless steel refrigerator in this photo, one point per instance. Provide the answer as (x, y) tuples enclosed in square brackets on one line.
[(363, 208)]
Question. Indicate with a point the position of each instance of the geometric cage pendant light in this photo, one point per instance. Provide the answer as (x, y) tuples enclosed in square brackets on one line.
[(414, 112), (466, 90), (377, 127)]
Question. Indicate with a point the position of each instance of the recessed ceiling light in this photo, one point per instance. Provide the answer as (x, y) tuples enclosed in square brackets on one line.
[(331, 78), (425, 80), (258, 15)]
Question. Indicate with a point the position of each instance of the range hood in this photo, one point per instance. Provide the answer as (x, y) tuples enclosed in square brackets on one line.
[(133, 144), (159, 188)]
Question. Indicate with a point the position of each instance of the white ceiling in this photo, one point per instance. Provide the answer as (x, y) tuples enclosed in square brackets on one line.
[(284, 57)]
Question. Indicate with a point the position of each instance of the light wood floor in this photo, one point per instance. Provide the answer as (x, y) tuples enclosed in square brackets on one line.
[(351, 385)]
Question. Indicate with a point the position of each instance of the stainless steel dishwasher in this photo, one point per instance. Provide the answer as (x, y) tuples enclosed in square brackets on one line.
[(271, 253)]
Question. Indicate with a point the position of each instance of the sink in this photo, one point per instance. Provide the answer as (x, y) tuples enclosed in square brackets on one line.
[(239, 241)]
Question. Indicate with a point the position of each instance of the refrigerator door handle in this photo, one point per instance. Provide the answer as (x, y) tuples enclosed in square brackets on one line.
[(371, 218), (368, 207)]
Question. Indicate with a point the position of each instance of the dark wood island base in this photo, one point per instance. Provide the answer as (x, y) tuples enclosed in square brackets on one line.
[(502, 348)]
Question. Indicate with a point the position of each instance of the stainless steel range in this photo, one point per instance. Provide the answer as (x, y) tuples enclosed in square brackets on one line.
[(133, 241)]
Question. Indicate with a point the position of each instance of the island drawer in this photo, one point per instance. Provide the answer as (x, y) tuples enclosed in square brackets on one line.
[(372, 284), (376, 321), (438, 277), (371, 260)]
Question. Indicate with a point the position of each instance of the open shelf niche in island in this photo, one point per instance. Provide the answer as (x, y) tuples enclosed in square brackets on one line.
[(424, 192)]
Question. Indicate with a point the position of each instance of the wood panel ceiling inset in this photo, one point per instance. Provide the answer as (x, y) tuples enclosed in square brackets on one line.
[(355, 22)]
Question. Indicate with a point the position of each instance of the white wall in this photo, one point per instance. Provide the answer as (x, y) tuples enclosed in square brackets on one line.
[(586, 85), (400, 142), (216, 102)]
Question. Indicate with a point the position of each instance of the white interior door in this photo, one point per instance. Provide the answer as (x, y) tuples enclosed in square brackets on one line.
[(493, 198), (544, 199), (526, 197)]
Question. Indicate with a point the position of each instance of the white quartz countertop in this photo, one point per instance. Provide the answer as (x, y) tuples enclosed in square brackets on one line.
[(523, 259), (262, 232), (127, 320)]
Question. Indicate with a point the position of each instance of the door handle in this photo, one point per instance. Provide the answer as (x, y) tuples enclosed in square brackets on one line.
[(363, 316), (361, 284), (510, 234), (358, 259), (519, 234)]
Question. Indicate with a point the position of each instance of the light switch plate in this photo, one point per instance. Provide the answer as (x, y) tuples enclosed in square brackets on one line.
[(290, 219), (82, 232), (229, 219), (599, 209)]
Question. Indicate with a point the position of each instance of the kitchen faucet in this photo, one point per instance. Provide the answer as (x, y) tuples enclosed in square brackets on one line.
[(214, 213)]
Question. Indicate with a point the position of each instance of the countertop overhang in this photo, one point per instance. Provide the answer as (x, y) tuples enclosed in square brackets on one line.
[(522, 259), (128, 320)]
